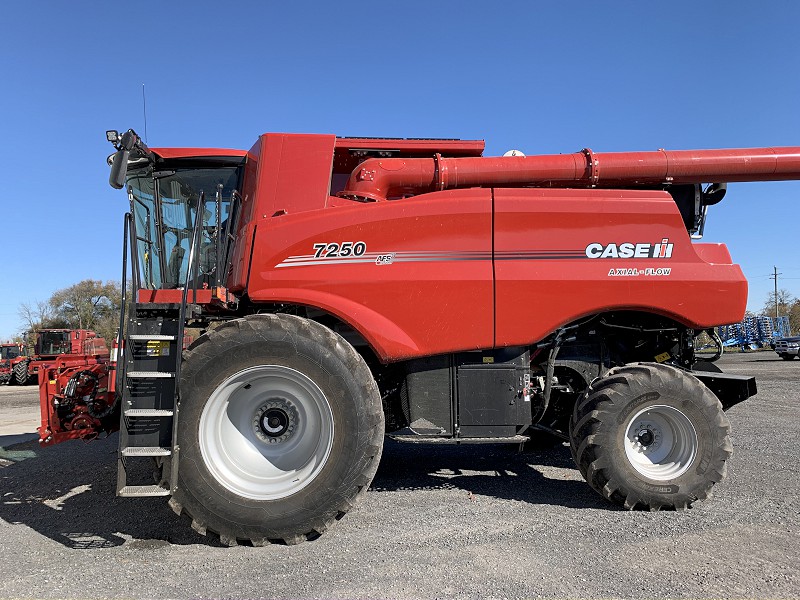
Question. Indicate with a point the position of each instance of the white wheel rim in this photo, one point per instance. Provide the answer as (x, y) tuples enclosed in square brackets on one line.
[(660, 442), (266, 432)]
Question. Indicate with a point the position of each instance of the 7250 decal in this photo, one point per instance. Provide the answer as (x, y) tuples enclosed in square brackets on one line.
[(334, 249)]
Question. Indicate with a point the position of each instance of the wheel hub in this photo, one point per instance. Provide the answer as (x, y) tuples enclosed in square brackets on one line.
[(647, 438), (275, 421)]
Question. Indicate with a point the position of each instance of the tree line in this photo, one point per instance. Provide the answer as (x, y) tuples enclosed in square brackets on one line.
[(89, 304)]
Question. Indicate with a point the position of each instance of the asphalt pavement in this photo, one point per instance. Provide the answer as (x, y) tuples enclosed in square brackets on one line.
[(438, 522)]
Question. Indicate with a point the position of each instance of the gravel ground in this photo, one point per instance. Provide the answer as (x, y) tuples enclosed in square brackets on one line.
[(459, 522)]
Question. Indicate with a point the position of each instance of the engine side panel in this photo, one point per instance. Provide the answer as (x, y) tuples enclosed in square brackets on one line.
[(564, 254)]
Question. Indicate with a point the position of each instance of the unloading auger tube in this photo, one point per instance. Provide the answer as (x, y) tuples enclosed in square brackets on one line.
[(378, 179)]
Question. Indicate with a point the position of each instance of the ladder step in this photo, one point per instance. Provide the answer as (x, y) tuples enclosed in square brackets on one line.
[(146, 451), (148, 412), (143, 490), (150, 375), (138, 337)]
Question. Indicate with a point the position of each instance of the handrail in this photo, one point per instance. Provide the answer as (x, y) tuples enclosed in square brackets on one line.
[(120, 366), (217, 240), (191, 266), (232, 224), (134, 236)]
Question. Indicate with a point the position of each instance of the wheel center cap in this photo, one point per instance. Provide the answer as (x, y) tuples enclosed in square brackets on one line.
[(646, 437), (275, 421)]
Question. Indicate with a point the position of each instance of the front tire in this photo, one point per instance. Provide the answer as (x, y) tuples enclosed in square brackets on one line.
[(650, 436), (280, 430), (21, 375), (787, 356)]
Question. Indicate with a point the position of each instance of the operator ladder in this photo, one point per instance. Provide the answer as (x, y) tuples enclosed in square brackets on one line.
[(150, 358)]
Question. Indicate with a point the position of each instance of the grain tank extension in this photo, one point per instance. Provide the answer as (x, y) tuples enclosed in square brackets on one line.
[(351, 289)]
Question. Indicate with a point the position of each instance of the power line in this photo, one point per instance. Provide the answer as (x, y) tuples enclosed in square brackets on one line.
[(775, 277)]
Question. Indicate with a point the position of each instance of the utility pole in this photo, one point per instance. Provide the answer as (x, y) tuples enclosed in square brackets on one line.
[(775, 277)]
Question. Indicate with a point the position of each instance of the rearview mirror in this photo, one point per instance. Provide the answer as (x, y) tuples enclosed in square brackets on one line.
[(119, 168)]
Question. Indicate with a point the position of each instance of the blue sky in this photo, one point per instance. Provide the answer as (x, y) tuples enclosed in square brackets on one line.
[(535, 76)]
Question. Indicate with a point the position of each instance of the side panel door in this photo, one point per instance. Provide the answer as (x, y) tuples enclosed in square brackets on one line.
[(562, 254)]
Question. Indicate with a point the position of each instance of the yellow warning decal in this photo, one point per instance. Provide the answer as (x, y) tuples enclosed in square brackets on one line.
[(663, 357), (157, 348)]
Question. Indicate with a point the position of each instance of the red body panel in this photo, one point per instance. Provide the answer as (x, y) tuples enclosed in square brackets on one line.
[(545, 278), (430, 294), (446, 288), (414, 146), (292, 173)]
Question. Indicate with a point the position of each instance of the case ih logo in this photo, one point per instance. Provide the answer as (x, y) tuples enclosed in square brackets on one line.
[(630, 250)]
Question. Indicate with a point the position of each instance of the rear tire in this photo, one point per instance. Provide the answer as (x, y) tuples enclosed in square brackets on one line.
[(280, 430), (650, 436)]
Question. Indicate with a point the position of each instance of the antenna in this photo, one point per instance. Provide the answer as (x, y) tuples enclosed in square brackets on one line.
[(144, 110)]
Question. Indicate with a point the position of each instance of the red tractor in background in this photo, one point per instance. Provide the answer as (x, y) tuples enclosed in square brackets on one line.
[(9, 353), (50, 344)]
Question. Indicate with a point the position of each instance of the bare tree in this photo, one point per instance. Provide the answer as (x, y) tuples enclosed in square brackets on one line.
[(35, 315), (785, 302), (794, 317)]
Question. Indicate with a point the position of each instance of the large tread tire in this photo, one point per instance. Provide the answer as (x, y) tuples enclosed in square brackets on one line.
[(607, 414), (21, 375), (5, 378), (287, 344)]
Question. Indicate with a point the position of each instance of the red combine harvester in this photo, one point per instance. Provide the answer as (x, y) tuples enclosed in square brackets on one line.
[(352, 288)]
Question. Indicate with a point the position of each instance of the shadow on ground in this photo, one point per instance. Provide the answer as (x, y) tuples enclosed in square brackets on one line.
[(67, 492), (498, 471)]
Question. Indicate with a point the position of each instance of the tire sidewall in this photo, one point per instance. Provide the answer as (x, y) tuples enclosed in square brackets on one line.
[(248, 347), (687, 483)]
